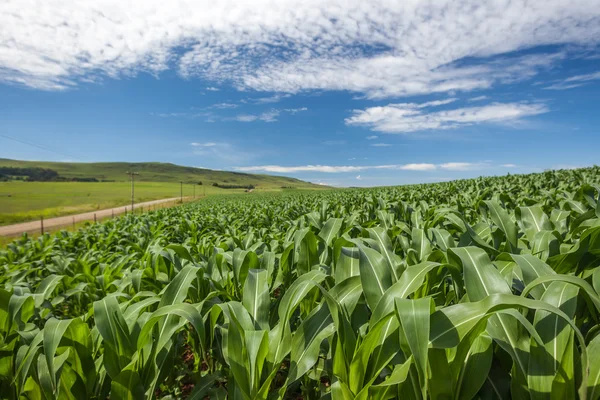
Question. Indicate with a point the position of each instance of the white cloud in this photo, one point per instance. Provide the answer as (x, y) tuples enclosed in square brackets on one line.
[(212, 89), (419, 167), (224, 105), (358, 177), (295, 110), (268, 116), (372, 137), (380, 145), (376, 48), (266, 100), (410, 117), (460, 166), (574, 81), (208, 144), (452, 166), (509, 165), (334, 142), (478, 98)]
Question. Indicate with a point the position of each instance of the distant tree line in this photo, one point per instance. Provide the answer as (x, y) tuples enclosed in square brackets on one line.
[(36, 174), (222, 186)]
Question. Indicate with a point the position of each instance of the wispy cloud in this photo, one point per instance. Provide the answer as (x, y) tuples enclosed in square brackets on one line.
[(267, 100), (379, 49), (575, 81), (271, 115), (267, 116), (372, 137), (334, 142), (224, 105), (380, 145), (450, 166), (221, 152), (509, 165), (410, 117), (478, 98), (294, 110), (212, 89), (207, 144)]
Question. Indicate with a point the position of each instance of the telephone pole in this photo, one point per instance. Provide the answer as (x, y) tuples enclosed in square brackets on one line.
[(132, 174)]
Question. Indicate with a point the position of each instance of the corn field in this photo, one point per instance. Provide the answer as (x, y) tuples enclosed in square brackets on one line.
[(476, 289)]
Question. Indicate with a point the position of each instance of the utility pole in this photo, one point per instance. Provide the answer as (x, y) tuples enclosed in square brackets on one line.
[(132, 175)]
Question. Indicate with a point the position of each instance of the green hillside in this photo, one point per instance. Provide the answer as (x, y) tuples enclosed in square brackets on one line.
[(159, 172)]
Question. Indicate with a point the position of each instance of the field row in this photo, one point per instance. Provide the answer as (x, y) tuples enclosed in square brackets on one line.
[(483, 288)]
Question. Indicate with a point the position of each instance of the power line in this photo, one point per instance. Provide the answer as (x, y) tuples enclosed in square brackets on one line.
[(37, 145)]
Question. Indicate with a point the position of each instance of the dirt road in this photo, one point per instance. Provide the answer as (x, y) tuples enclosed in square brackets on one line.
[(35, 226)]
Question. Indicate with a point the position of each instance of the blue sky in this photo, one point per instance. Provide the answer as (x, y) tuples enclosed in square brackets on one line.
[(345, 94)]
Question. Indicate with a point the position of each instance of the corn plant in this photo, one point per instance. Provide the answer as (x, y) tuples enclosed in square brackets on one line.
[(486, 288)]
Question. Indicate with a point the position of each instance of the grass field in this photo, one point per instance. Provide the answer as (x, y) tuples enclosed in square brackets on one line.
[(26, 201), (160, 172)]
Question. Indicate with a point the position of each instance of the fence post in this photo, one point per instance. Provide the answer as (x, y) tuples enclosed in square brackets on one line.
[(94, 217), (42, 223), (73, 223), (113, 213)]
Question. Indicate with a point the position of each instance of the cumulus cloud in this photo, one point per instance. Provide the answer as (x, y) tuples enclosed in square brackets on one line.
[(410, 117), (376, 48), (575, 81), (451, 166)]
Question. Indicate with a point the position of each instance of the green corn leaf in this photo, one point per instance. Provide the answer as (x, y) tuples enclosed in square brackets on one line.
[(593, 383), (256, 297), (504, 221), (383, 245), (375, 275), (532, 220), (414, 319), (347, 264), (307, 340), (330, 230)]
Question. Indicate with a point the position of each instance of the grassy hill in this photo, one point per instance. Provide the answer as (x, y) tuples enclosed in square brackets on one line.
[(160, 172), (25, 201)]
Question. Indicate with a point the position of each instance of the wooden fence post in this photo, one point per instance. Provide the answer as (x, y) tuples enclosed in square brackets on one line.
[(42, 223), (94, 217)]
